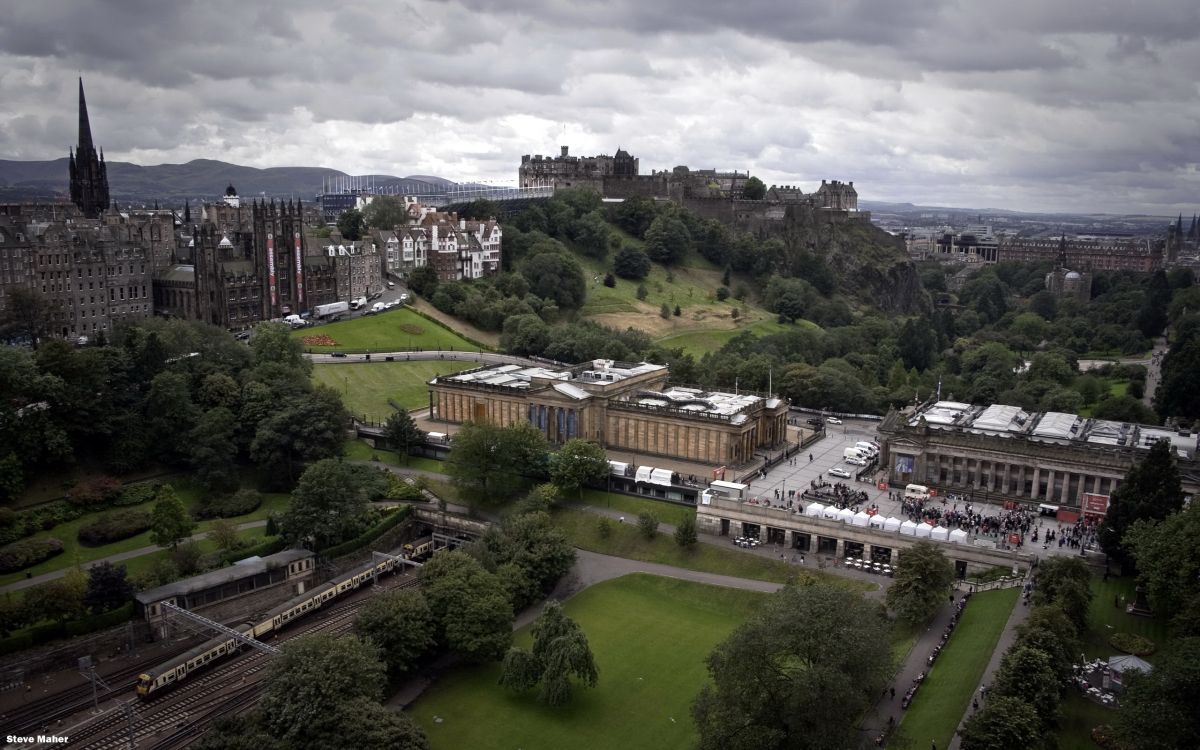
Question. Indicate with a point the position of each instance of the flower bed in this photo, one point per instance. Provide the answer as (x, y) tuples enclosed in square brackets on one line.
[(319, 340), (1132, 643)]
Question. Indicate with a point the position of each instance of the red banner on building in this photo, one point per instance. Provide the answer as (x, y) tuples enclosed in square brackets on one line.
[(271, 270), (1095, 505), (299, 273)]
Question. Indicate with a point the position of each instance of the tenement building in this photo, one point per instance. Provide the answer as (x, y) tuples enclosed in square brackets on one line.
[(1086, 253), (620, 406), (1001, 452)]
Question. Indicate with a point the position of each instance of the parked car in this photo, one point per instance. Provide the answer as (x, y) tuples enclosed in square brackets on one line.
[(391, 285), (838, 472), (833, 420), (854, 461), (337, 354)]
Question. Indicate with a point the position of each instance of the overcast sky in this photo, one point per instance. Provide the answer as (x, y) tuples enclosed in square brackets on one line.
[(1072, 105)]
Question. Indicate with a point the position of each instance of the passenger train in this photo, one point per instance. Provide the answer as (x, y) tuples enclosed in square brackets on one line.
[(175, 670)]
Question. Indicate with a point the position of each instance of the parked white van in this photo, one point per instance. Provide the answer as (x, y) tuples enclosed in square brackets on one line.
[(916, 492)]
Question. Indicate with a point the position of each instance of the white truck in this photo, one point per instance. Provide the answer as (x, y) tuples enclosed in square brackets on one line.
[(378, 307), (359, 303), (330, 310), (295, 321)]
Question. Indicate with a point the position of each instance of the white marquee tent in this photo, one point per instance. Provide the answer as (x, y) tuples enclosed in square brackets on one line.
[(940, 533), (892, 524), (861, 519), (830, 512), (816, 509), (958, 536), (923, 530), (908, 528), (845, 515), (878, 521)]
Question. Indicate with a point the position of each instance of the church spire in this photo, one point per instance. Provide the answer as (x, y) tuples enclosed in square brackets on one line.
[(85, 127)]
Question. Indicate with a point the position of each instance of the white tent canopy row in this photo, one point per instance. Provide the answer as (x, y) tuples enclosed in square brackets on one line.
[(922, 530)]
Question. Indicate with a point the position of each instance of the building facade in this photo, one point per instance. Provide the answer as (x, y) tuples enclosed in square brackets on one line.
[(1087, 253), (456, 248), (619, 406), (1001, 452)]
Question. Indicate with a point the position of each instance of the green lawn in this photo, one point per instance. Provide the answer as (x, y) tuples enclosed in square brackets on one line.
[(74, 552), (583, 529), (1105, 618), (663, 511), (650, 637), (949, 685), (396, 330), (1079, 717), (365, 387), (144, 563), (697, 343)]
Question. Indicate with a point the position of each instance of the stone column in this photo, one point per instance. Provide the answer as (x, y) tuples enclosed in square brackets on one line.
[(1035, 489), (1050, 486), (840, 552)]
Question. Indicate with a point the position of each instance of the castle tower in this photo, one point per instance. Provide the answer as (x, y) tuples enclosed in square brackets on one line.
[(88, 173)]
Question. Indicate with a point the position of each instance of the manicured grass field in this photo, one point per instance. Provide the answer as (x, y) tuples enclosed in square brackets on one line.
[(650, 637), (583, 529), (949, 685), (697, 343), (396, 330), (74, 552), (663, 511), (1104, 619), (365, 387)]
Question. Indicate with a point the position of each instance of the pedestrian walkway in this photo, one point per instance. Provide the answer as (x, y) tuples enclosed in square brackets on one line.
[(119, 557), (887, 712)]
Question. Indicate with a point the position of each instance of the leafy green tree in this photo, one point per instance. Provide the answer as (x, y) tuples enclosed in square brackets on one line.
[(1158, 710), (400, 623), (579, 462), (647, 524), (1065, 582), (491, 464), (1090, 388), (59, 600), (107, 587), (424, 281), (351, 224), (554, 274), (213, 450), (631, 263), (273, 342), (470, 606), (1167, 554), (401, 432), (1124, 409), (685, 532), (922, 582), (1028, 674), (170, 416), (1045, 304), (789, 656), (329, 505), (1048, 629), (1179, 392), (311, 428), (635, 215), (667, 240), (754, 189), (384, 212), (918, 344), (1151, 490), (1004, 723), (590, 234), (27, 314), (224, 534), (243, 732), (170, 522), (525, 334), (560, 651), (309, 679)]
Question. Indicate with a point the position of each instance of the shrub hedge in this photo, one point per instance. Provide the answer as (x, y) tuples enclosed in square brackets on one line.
[(238, 504), (21, 555), (136, 494), (39, 634), (1132, 643), (370, 535), (113, 527), (18, 525)]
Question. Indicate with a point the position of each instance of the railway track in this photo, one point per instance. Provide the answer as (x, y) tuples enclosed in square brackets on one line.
[(181, 715)]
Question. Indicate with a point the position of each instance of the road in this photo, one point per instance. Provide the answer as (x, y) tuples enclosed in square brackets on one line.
[(462, 356)]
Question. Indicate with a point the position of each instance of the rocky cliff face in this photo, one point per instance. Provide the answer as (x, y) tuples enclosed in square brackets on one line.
[(870, 264)]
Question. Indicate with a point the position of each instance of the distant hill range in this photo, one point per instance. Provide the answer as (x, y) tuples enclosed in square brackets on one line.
[(198, 180)]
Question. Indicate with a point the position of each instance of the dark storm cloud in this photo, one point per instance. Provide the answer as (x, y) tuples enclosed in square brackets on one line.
[(1023, 103)]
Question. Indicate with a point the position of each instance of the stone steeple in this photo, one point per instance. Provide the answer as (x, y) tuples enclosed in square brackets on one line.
[(88, 173)]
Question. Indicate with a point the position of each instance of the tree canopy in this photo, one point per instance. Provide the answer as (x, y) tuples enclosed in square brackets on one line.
[(921, 584), (1167, 554), (471, 607), (1152, 489), (790, 657), (579, 462), (351, 224), (1004, 723), (560, 652), (329, 504), (401, 625), (493, 464)]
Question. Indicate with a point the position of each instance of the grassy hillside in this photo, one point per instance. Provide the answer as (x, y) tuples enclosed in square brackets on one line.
[(366, 386)]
